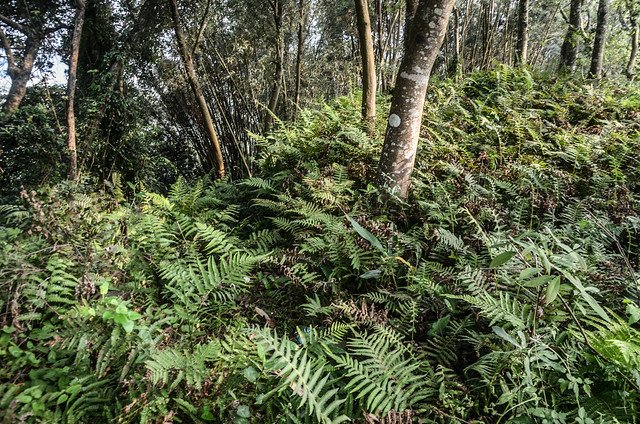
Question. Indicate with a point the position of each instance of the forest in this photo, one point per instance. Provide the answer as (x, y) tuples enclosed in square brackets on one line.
[(319, 211)]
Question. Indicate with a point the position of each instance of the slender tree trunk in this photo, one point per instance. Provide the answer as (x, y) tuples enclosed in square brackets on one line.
[(196, 88), (278, 11), (368, 65), (405, 117), (71, 89), (299, 53), (631, 64), (545, 37), (20, 73), (522, 45), (379, 49), (569, 51), (455, 66), (597, 57)]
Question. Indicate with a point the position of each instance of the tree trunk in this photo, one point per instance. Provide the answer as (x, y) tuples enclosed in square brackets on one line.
[(299, 53), (379, 48), (368, 65), (278, 10), (631, 64), (597, 57), (410, 13), (20, 73), (489, 30), (196, 88), (71, 89), (405, 117), (522, 45), (455, 66), (569, 51)]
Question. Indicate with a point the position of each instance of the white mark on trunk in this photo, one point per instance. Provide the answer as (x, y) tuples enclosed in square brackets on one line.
[(418, 78), (394, 120)]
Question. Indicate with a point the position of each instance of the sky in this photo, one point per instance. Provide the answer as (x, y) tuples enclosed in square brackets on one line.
[(57, 75)]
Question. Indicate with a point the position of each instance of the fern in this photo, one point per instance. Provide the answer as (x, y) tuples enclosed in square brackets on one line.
[(303, 375), (173, 365), (385, 377)]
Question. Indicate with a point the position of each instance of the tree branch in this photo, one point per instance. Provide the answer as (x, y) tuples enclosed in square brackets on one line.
[(6, 45), (13, 24), (203, 25), (56, 29)]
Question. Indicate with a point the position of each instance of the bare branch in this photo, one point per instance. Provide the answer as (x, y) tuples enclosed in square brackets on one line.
[(203, 25), (13, 24), (6, 45), (56, 28)]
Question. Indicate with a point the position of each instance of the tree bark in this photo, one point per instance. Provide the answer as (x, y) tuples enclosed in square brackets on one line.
[(196, 88), (278, 11), (299, 53), (410, 13), (456, 63), (522, 44), (405, 117), (635, 32), (71, 89), (368, 65), (597, 57), (379, 49), (20, 73), (569, 51)]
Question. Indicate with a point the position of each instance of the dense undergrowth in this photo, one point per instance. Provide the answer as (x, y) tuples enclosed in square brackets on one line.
[(505, 290)]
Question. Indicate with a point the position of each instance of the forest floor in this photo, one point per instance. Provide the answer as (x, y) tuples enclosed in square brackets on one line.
[(504, 290)]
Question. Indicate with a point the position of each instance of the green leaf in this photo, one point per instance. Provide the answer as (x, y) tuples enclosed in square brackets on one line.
[(128, 326), (374, 273), (538, 281), (634, 312), (207, 415), (502, 259), (133, 315), (553, 289), (505, 336), (24, 398), (243, 411), (251, 374), (74, 389), (121, 318), (104, 288), (365, 234), (528, 273), (439, 326)]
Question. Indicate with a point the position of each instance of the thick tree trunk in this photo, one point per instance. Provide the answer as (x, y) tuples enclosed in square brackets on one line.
[(410, 13), (569, 51), (597, 57), (299, 53), (405, 117), (17, 91), (630, 71), (20, 73), (278, 11), (368, 65), (71, 89), (522, 44), (196, 88)]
